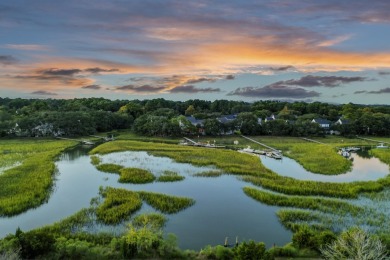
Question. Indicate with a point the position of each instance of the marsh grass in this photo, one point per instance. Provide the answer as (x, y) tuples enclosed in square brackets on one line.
[(166, 203), (118, 205), (95, 160), (316, 158), (249, 167), (170, 176), (136, 176), (381, 154), (150, 220), (227, 160), (312, 203), (29, 184), (292, 186), (214, 173), (109, 168)]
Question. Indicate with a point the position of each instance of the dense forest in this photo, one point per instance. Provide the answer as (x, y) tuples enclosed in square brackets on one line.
[(160, 117)]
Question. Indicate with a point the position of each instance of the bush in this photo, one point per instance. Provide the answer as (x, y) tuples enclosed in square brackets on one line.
[(136, 175), (355, 244), (250, 250), (304, 238)]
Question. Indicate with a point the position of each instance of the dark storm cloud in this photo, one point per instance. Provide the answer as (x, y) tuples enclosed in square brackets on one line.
[(60, 72), (140, 89), (319, 81), (95, 87), (199, 80), (230, 77), (274, 92), (193, 89), (99, 70), (43, 93), (360, 92), (72, 72), (381, 91), (7, 60), (284, 68)]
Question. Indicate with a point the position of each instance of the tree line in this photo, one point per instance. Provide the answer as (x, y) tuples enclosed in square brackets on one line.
[(160, 117)]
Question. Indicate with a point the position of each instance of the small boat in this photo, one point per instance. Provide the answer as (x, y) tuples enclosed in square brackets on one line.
[(276, 156), (247, 150), (259, 152), (345, 154), (381, 145), (352, 149), (86, 142)]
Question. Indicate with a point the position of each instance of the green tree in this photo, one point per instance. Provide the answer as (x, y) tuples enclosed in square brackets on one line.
[(190, 110), (355, 244), (250, 250)]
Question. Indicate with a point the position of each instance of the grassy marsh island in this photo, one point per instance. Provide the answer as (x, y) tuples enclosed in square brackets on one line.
[(28, 184)]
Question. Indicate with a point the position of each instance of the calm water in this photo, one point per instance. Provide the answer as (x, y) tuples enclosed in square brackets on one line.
[(364, 168), (221, 209)]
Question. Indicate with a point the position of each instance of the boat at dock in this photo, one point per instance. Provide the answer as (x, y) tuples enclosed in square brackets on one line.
[(382, 145), (274, 155)]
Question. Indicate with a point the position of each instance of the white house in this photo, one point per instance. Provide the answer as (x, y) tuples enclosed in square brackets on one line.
[(324, 123)]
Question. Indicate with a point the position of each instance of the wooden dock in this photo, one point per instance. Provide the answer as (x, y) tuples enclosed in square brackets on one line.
[(372, 140), (208, 145), (314, 141), (77, 140), (269, 147)]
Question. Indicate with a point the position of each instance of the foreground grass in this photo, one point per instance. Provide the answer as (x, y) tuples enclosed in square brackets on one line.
[(29, 184)]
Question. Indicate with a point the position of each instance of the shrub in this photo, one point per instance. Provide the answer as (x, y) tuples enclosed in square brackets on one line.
[(109, 167), (355, 244), (136, 175)]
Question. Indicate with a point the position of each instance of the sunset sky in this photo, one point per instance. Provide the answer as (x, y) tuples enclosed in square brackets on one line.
[(303, 50)]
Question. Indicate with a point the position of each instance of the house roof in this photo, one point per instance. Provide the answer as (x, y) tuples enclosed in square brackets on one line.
[(321, 121), (226, 118), (194, 121), (343, 121)]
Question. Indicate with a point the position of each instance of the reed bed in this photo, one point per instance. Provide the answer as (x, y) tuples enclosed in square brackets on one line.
[(381, 154), (170, 176), (292, 186), (118, 205), (29, 184), (227, 160), (312, 203), (109, 168), (249, 167), (150, 220), (208, 174), (165, 203), (136, 176), (316, 158), (95, 160)]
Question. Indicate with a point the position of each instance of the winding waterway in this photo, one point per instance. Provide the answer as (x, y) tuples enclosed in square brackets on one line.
[(221, 209)]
